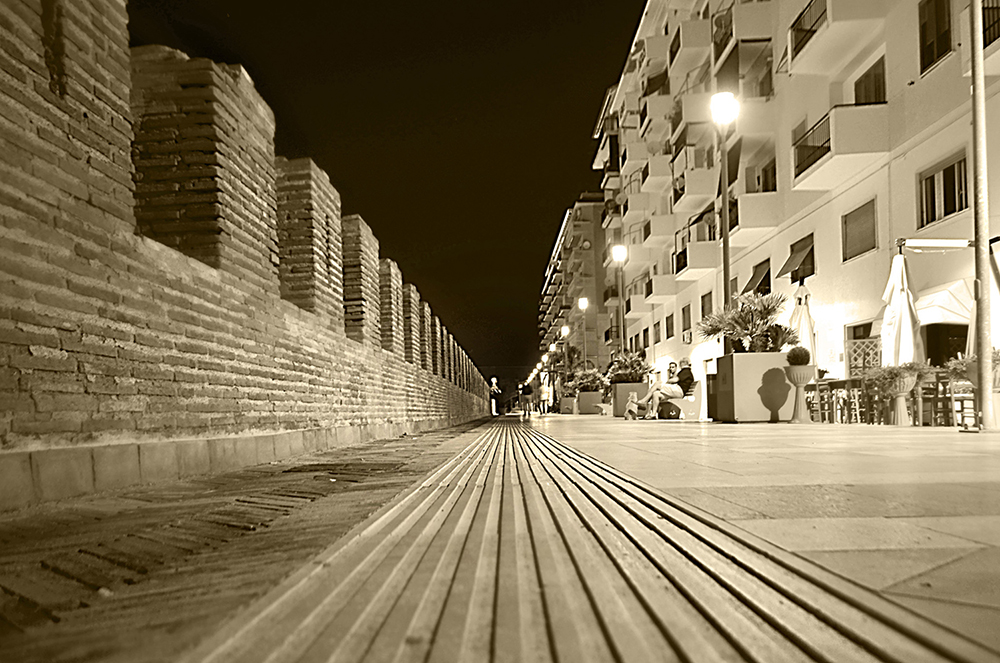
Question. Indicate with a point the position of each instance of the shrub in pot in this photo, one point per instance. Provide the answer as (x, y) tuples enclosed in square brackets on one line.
[(588, 385), (895, 382), (800, 372), (628, 372)]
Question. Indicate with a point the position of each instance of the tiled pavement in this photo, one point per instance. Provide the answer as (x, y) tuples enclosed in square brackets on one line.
[(912, 513)]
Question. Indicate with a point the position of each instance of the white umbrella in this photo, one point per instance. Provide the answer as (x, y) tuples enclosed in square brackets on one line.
[(802, 321), (900, 328)]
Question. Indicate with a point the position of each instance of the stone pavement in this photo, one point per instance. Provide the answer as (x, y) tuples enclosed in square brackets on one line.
[(911, 513)]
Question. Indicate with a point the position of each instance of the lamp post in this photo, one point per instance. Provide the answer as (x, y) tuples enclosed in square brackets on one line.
[(619, 254), (564, 332), (583, 303), (725, 109)]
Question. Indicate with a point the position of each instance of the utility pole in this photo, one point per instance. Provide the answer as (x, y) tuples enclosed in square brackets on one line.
[(984, 343)]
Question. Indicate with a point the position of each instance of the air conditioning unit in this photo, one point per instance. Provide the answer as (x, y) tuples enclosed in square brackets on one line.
[(686, 337)]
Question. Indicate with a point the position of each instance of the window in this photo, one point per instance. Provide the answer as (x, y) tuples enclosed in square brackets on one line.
[(808, 265), (858, 332), (686, 317), (870, 87), (935, 32), (706, 304), (943, 191), (669, 322), (656, 333), (645, 337), (859, 231)]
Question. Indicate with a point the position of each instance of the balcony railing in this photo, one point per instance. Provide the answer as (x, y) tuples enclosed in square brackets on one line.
[(611, 335), (722, 30), (807, 24), (813, 145)]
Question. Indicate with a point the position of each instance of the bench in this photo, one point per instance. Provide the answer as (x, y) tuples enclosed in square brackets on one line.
[(687, 406)]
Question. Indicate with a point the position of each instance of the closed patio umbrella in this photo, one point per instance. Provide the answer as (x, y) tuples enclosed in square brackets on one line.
[(900, 331), (802, 321)]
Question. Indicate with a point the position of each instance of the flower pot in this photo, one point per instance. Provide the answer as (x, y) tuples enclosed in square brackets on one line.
[(587, 401), (898, 391), (800, 376), (620, 392), (752, 386)]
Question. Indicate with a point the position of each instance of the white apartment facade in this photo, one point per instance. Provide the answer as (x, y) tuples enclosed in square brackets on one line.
[(854, 131)]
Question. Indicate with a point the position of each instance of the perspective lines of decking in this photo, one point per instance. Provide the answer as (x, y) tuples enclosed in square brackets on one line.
[(521, 549)]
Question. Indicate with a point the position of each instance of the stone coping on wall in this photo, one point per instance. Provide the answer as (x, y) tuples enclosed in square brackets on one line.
[(42, 475)]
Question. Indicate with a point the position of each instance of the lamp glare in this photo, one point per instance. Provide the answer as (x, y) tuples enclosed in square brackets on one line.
[(725, 108)]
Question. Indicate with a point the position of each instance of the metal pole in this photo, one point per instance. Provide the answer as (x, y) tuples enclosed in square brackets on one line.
[(621, 309), (585, 339), (726, 294), (984, 344)]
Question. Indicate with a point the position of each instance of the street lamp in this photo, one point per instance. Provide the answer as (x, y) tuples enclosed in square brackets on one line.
[(564, 332), (619, 254), (725, 109), (583, 303)]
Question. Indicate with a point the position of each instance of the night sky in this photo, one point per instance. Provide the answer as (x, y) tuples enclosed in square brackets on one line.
[(459, 130)]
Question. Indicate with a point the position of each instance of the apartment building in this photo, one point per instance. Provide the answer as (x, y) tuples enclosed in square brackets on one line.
[(575, 270), (854, 131)]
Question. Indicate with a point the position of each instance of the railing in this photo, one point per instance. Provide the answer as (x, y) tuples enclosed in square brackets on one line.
[(991, 21), (813, 145), (632, 185), (722, 30), (807, 24)]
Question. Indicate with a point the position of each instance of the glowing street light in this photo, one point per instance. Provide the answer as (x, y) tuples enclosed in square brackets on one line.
[(725, 110), (583, 303)]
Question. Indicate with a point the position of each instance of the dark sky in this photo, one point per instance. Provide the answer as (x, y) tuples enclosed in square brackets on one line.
[(459, 130)]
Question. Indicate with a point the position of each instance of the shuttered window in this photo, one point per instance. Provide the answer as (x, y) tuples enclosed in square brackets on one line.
[(859, 230)]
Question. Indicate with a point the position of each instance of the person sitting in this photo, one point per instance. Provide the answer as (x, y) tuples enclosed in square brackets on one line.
[(676, 385)]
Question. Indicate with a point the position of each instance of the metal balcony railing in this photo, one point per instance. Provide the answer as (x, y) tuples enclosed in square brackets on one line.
[(813, 145), (807, 24), (722, 30)]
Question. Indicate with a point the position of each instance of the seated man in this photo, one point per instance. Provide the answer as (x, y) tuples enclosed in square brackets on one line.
[(677, 384)]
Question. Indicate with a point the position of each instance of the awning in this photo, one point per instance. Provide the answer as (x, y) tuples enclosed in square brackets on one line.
[(795, 260), (759, 272), (655, 82), (733, 157), (950, 304)]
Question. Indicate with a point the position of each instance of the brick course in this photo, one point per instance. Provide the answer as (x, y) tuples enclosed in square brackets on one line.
[(182, 332)]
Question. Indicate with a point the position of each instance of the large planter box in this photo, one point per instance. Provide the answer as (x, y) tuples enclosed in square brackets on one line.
[(587, 401), (752, 386), (567, 405), (620, 391)]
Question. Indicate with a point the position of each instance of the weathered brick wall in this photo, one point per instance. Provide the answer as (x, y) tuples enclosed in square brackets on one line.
[(391, 305), (412, 313), (426, 334), (121, 358), (204, 156), (309, 235), (361, 284)]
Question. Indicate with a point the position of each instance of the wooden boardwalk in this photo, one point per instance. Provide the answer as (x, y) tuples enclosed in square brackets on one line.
[(521, 549)]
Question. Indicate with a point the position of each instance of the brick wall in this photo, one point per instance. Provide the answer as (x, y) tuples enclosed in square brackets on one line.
[(361, 282), (189, 337), (391, 305)]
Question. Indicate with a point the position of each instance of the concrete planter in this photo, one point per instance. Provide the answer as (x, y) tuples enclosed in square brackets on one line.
[(898, 391), (751, 386), (567, 405), (800, 376), (587, 401), (620, 392)]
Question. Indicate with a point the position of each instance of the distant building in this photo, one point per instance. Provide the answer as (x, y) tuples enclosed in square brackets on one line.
[(854, 131)]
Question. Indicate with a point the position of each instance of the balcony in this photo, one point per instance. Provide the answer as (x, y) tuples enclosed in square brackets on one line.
[(639, 260), (611, 297), (636, 307), (847, 141), (637, 207), (695, 260), (656, 122), (744, 21), (829, 33), (691, 116), (657, 51), (757, 214), (634, 156), (757, 123), (657, 174), (690, 45), (611, 218), (611, 335), (661, 289), (694, 188), (991, 39), (658, 231)]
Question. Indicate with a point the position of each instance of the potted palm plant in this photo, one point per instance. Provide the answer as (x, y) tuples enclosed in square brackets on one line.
[(588, 385), (627, 373), (800, 372), (750, 383)]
